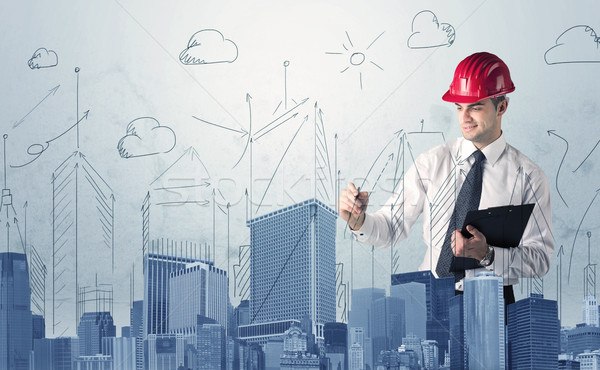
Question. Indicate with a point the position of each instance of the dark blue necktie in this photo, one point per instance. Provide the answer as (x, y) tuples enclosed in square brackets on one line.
[(467, 200)]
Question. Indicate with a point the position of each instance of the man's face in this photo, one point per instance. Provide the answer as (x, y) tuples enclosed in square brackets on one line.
[(480, 122)]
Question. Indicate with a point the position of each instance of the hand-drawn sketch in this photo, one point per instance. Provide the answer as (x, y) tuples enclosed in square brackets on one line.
[(50, 92), (37, 150), (561, 163), (43, 58), (209, 46), (578, 44), (145, 136), (428, 32), (185, 181), (286, 64), (356, 56), (587, 156)]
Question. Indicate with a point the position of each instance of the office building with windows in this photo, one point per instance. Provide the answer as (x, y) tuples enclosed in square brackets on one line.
[(533, 333), (198, 289), (293, 265), (437, 297), (484, 322), (16, 337), (94, 326)]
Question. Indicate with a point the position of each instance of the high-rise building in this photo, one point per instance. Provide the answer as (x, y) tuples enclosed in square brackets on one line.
[(165, 351), (38, 327), (388, 324), (55, 353), (413, 343), (96, 362), (437, 297), (415, 306), (582, 338), (533, 333), (457, 333), (293, 265), (94, 326), (136, 318), (164, 258), (360, 317), (430, 354), (567, 362), (198, 289), (336, 344), (484, 321), (357, 361), (15, 312), (589, 310), (121, 351), (210, 344)]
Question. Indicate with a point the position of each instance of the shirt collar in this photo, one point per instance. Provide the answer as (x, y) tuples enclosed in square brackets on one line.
[(492, 152)]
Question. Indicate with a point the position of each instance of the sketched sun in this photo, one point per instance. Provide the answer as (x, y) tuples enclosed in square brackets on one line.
[(356, 57)]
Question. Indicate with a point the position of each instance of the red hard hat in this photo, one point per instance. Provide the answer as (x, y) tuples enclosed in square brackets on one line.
[(479, 76)]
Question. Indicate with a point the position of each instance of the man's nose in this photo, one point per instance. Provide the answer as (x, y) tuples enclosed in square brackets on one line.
[(464, 116)]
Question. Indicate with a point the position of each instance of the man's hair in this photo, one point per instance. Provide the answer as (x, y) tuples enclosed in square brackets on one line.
[(496, 100)]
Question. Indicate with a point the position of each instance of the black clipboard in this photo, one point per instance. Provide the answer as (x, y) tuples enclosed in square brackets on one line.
[(502, 226)]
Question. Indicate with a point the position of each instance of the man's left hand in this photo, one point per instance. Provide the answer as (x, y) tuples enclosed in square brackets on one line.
[(474, 247)]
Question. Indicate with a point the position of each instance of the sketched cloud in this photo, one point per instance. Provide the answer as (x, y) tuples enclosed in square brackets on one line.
[(578, 44), (428, 32), (208, 47), (145, 136), (43, 58)]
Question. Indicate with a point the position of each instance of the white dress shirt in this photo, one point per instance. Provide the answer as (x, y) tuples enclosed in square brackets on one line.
[(430, 188)]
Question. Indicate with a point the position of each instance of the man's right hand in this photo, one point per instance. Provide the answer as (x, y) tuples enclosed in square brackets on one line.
[(353, 205)]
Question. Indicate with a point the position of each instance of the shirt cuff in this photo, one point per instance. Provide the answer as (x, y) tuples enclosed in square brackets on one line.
[(366, 230)]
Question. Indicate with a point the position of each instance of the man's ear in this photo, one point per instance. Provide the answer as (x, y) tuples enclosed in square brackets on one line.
[(502, 107)]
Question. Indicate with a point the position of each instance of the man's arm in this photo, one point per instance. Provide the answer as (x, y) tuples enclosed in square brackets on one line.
[(532, 257)]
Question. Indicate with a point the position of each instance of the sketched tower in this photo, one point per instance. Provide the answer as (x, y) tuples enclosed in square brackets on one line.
[(292, 272), (82, 225)]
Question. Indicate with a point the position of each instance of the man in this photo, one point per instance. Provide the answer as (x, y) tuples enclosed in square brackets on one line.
[(495, 174)]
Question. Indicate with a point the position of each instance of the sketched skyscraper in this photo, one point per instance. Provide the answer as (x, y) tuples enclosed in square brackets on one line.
[(484, 322), (82, 224), (293, 265)]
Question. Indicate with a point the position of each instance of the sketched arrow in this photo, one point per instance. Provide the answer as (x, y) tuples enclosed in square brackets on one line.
[(242, 131), (249, 101), (585, 159), (282, 122), (279, 164), (561, 163), (38, 149), (50, 92), (577, 233), (281, 116)]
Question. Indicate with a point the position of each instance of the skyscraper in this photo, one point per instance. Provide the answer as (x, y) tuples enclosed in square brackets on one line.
[(93, 327), (484, 321), (415, 298), (437, 296), (137, 331), (336, 344), (388, 322), (533, 333), (163, 259), (82, 220), (589, 310), (457, 333), (15, 312), (197, 289), (293, 265), (210, 345), (360, 317)]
